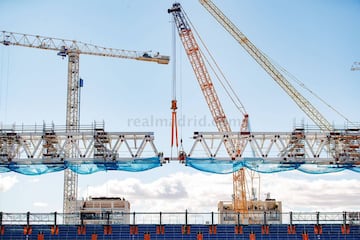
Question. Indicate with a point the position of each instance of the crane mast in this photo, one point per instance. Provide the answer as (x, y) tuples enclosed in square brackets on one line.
[(72, 124), (72, 49), (233, 148), (265, 63)]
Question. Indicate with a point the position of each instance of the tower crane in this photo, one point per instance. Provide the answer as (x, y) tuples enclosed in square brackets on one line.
[(73, 49), (266, 64), (269, 67), (234, 149), (355, 66)]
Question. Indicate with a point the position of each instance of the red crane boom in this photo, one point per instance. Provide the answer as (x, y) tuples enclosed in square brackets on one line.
[(233, 148)]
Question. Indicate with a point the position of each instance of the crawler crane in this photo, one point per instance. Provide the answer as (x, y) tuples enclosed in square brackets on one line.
[(233, 148), (73, 49)]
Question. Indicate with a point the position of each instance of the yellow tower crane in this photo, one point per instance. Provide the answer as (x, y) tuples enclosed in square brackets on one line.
[(269, 67), (73, 49)]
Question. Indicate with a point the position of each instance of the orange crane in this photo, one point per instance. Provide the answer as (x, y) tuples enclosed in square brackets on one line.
[(73, 49), (234, 149)]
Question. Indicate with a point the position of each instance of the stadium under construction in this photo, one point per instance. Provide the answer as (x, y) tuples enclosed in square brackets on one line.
[(86, 149)]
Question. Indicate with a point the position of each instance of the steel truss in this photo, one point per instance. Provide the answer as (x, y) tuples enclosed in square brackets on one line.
[(65, 46), (49, 145), (299, 146)]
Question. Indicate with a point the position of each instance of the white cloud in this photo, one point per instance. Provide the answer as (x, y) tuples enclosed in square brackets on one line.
[(34, 180), (40, 204), (315, 193), (6, 183), (200, 192), (176, 192)]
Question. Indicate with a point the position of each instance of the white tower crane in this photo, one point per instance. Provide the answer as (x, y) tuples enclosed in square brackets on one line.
[(72, 49)]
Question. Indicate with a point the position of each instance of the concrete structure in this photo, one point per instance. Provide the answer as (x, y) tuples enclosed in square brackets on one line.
[(99, 210), (268, 211)]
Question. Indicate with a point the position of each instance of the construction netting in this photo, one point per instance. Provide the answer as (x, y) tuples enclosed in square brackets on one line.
[(260, 165), (209, 165), (89, 167)]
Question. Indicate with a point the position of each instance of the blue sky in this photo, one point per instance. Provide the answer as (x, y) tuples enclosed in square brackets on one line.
[(317, 41)]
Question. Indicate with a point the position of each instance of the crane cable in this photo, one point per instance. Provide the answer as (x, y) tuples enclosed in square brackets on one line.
[(180, 77), (174, 106), (227, 85), (301, 84), (174, 125)]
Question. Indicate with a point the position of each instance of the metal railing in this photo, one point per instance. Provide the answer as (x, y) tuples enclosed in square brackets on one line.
[(184, 218)]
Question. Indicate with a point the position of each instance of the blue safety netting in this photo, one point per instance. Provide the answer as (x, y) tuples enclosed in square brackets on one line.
[(131, 165), (212, 165)]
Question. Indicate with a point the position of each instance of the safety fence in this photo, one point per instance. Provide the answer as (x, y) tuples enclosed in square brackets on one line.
[(185, 218)]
